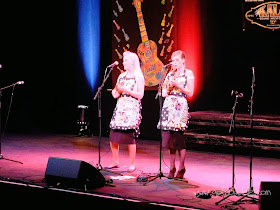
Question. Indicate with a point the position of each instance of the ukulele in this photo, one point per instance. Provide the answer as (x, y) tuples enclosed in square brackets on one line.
[(117, 26), (119, 6), (163, 21), (170, 46), (168, 34), (120, 56), (126, 37), (171, 11), (147, 52), (161, 38)]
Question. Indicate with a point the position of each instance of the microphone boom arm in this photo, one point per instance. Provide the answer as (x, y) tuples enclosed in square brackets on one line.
[(101, 86), (8, 86)]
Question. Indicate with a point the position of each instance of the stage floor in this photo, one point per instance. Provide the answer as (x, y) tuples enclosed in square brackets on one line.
[(205, 171)]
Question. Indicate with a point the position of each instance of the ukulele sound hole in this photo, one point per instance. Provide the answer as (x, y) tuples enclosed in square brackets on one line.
[(148, 54)]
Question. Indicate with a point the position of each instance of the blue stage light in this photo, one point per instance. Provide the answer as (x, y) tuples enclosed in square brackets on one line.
[(89, 38)]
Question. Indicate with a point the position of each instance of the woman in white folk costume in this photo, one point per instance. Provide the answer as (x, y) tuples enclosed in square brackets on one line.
[(129, 91), (178, 84)]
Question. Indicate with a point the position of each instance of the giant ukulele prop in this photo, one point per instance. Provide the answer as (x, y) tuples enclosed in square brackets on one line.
[(147, 52)]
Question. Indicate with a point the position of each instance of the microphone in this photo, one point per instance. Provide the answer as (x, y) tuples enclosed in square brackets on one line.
[(113, 64), (234, 92), (171, 63), (19, 83)]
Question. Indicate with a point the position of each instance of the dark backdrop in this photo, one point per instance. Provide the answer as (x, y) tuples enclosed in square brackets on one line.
[(38, 44)]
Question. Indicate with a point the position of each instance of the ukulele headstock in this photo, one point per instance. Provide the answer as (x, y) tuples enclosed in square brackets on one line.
[(137, 4)]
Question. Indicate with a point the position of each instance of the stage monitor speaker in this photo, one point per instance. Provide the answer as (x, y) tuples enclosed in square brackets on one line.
[(68, 173), (269, 195)]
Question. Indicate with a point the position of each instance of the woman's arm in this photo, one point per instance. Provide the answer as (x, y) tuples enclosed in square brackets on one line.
[(164, 93), (165, 87), (116, 92)]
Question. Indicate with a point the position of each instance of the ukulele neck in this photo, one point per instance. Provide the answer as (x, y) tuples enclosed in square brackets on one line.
[(142, 27)]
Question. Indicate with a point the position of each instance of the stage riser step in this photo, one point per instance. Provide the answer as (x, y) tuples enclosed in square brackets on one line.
[(228, 141), (216, 118)]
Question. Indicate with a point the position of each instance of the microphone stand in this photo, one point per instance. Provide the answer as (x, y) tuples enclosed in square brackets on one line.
[(232, 130), (160, 173), (251, 190), (160, 83), (98, 94), (1, 134)]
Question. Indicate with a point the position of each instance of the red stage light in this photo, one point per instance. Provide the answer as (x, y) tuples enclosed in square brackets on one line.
[(188, 37)]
